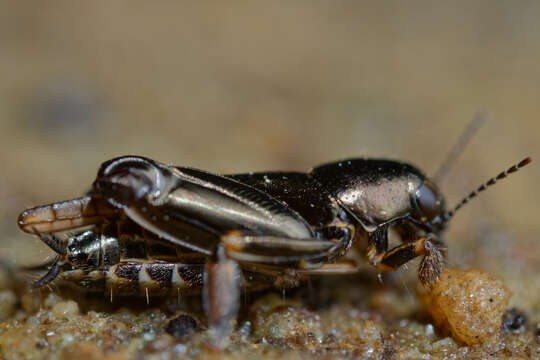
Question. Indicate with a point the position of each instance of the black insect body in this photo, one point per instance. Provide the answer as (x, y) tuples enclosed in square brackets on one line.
[(148, 228)]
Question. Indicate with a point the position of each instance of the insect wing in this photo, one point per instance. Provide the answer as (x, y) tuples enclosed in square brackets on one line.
[(200, 207), (228, 203)]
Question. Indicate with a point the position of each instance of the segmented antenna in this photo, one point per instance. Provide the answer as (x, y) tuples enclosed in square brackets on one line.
[(472, 128), (485, 185)]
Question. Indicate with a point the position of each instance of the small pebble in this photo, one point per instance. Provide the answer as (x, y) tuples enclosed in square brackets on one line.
[(8, 300), (245, 329), (65, 309), (444, 345), (514, 321), (182, 326), (469, 305), (51, 300)]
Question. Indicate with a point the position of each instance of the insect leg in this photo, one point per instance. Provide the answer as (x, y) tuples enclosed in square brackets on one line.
[(431, 265), (221, 293), (276, 250), (332, 269), (64, 215)]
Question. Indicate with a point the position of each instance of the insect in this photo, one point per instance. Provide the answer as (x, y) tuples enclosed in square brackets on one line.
[(149, 228)]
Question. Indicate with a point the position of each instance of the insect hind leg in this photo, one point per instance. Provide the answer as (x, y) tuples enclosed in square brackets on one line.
[(221, 294)]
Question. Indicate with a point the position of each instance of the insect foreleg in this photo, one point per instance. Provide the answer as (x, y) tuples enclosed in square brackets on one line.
[(392, 259)]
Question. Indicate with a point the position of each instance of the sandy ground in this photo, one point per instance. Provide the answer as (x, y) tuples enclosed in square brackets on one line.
[(233, 87)]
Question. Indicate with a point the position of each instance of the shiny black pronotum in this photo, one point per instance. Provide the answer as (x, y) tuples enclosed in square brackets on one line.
[(149, 229)]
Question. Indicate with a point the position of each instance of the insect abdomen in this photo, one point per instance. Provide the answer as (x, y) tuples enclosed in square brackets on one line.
[(142, 278), (137, 277)]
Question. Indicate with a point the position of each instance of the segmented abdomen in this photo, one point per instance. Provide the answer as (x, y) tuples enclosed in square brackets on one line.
[(144, 278), (135, 262)]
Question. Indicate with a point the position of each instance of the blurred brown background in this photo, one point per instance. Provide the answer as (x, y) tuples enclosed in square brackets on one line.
[(233, 86)]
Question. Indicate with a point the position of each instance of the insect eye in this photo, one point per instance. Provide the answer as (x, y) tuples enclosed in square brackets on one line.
[(428, 200)]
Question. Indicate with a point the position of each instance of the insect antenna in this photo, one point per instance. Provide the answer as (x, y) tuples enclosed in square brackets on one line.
[(448, 215), (472, 128)]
